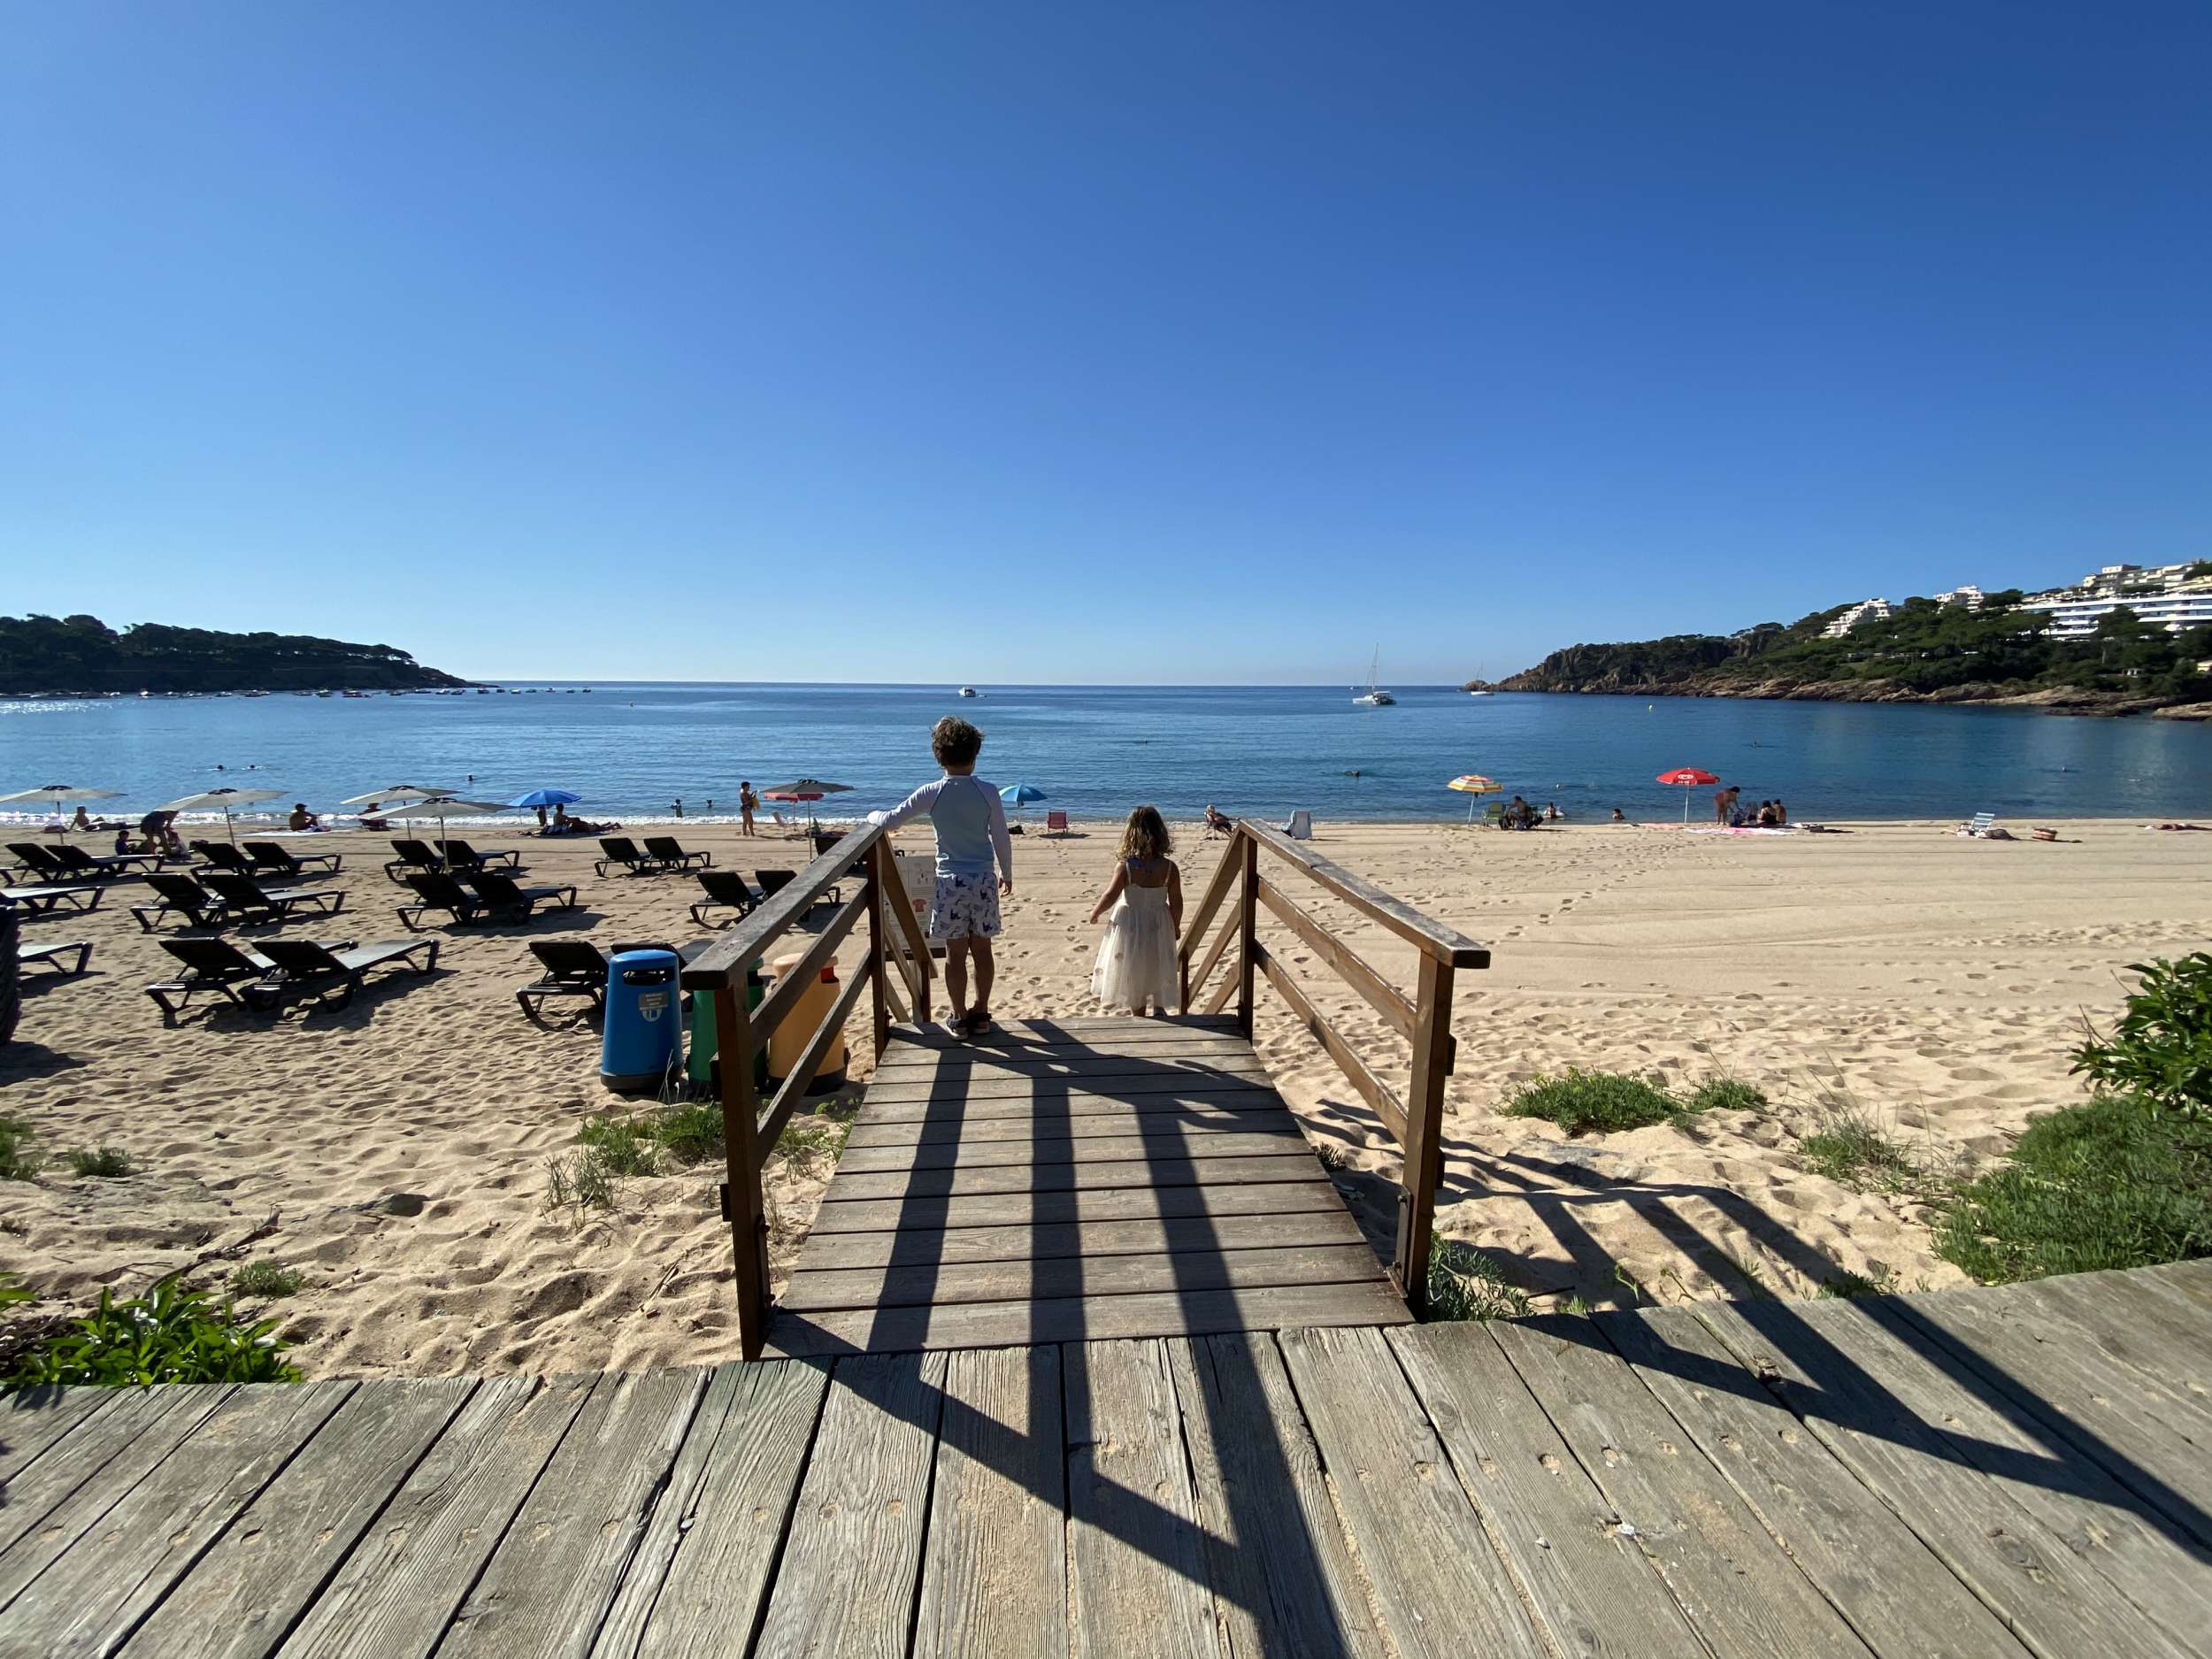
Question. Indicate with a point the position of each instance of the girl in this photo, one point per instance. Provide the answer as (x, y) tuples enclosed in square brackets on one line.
[(1136, 959)]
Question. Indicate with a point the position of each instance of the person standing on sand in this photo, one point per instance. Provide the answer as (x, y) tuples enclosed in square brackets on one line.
[(747, 802), (1725, 805), (1136, 961), (970, 824)]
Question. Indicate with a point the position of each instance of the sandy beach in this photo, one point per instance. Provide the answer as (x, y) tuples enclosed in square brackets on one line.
[(395, 1153)]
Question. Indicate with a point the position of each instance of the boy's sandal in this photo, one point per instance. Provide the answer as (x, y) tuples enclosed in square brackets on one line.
[(977, 1025)]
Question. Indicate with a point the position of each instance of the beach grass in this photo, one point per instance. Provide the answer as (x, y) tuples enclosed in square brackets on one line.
[(623, 1146), (1851, 1149), (16, 1160), (270, 1281), (1727, 1094), (2116, 1182), (103, 1163), (690, 1132), (1593, 1102), (1465, 1284)]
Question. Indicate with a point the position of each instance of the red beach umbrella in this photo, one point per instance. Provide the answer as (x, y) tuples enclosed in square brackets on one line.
[(1687, 778)]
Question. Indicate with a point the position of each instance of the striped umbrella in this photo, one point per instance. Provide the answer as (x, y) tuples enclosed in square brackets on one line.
[(1475, 784)]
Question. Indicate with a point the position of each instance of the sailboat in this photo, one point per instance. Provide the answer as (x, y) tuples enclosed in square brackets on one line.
[(1481, 689), (1375, 696)]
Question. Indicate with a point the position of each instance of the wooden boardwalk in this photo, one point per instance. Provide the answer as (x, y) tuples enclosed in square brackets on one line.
[(1976, 1473), (1068, 1181)]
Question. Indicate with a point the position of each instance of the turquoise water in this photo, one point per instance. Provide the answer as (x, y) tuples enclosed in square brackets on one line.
[(630, 749)]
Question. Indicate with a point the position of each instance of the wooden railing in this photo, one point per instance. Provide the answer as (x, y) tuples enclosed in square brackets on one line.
[(898, 959), (1425, 1019)]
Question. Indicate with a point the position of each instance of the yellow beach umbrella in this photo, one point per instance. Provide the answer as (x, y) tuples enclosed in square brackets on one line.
[(1475, 783)]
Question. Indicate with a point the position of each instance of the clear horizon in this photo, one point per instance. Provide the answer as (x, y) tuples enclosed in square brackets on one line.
[(1211, 347)]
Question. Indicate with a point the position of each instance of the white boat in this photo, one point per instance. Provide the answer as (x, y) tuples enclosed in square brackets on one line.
[(1374, 697), (970, 691), (1477, 694)]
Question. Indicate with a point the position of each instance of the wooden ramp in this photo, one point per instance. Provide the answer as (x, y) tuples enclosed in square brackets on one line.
[(1071, 1179), (1982, 1474)]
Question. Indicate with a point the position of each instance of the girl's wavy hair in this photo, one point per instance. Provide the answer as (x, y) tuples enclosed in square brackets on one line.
[(1145, 835)]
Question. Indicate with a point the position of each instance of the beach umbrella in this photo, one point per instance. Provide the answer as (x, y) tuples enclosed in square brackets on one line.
[(1020, 794), (439, 806), (398, 794), (1475, 784), (805, 789), (223, 801), (59, 792), (547, 797), (1687, 778)]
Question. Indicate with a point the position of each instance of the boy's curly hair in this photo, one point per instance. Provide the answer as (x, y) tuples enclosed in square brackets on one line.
[(955, 743), (1145, 835)]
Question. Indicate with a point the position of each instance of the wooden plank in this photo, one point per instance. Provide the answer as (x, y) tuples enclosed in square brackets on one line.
[(783, 996), (1195, 923), (696, 1584), (1088, 1319), (1421, 1172), (33, 1419), (1166, 1171), (736, 949), (1048, 1093), (960, 1246), (2002, 1508), (1136, 1579), (1232, 1060), (853, 1551), (1019, 1100), (1247, 917), (1171, 1142), (995, 1575), (1738, 1587), (95, 1591), (1591, 1589), (1378, 1094), (397, 1592), (1897, 1595), (1124, 1034), (2158, 1443), (1431, 938), (812, 1290), (1282, 1573), (63, 1495), (1106, 1117), (2134, 1319), (245, 1592), (793, 1089), (1384, 998), (557, 1569), (1194, 978), (2190, 1279), (1439, 1586), (1309, 1191)]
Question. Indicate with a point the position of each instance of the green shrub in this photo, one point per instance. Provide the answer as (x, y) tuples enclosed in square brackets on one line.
[(1593, 1102), (808, 1146), (100, 1160), (1465, 1284), (2114, 1183), (268, 1280), (2162, 1049), (623, 1145), (579, 1182), (17, 1163), (1728, 1095), (1845, 1283), (1852, 1150), (689, 1133), (173, 1335)]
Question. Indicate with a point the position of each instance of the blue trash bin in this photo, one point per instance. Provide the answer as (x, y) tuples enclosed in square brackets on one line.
[(643, 1023)]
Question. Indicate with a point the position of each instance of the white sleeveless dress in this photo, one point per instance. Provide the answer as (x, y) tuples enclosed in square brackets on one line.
[(1136, 959)]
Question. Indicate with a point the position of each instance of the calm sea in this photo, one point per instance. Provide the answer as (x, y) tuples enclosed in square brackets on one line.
[(631, 749)]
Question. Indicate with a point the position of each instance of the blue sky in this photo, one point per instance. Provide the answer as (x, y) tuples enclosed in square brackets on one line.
[(1145, 343)]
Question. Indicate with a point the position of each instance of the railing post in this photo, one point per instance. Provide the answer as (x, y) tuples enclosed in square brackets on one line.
[(740, 1142), (878, 942), (1247, 924), (1423, 1170)]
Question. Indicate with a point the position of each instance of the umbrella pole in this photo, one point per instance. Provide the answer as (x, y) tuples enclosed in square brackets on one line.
[(229, 828)]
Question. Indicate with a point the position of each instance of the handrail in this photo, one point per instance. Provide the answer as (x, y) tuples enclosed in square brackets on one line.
[(750, 1134), (1416, 1121)]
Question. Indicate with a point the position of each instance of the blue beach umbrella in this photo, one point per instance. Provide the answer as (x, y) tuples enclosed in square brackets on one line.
[(1020, 794), (547, 797)]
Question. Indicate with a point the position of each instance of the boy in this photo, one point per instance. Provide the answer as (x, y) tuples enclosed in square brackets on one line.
[(970, 824)]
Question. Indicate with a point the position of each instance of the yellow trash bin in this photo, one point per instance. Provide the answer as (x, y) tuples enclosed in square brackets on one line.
[(788, 1041)]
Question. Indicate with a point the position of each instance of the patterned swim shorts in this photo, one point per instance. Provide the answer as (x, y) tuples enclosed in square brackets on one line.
[(964, 907)]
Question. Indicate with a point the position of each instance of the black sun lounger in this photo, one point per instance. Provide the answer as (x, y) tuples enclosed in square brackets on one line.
[(415, 857), (668, 852), (46, 900), (247, 900), (465, 859), (274, 858), (212, 965), (499, 892), (223, 857), (54, 956), (36, 862), (621, 849), (574, 967), (435, 890), (179, 895), (80, 865), (725, 888), (302, 967)]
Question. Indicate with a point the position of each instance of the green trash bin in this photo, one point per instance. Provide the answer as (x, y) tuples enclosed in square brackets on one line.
[(705, 1066)]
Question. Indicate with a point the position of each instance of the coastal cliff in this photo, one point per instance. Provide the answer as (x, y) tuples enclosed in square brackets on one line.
[(1923, 653), (82, 656)]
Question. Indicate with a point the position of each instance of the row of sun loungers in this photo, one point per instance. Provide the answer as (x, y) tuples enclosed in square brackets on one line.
[(661, 855), (215, 900), (65, 862), (258, 978), (45, 901), (451, 857), (488, 894)]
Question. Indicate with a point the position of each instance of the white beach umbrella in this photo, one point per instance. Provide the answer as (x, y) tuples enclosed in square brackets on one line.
[(59, 792), (398, 794), (441, 807), (223, 801)]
